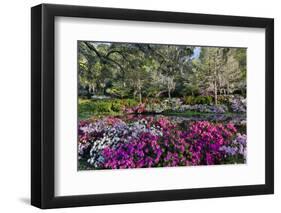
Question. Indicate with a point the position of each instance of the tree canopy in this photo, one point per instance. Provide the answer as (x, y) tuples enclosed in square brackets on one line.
[(155, 70)]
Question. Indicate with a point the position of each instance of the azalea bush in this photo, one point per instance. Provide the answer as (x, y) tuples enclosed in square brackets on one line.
[(113, 143), (175, 105), (204, 108), (155, 106), (238, 104)]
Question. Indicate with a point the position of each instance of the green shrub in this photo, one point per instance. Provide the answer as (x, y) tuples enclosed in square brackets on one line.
[(89, 107), (223, 99), (191, 100), (203, 100), (102, 106), (130, 102), (116, 106)]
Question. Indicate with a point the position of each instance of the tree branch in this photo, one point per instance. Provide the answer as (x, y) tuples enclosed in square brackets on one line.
[(102, 57)]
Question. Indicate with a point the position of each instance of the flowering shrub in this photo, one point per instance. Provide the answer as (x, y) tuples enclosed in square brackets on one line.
[(206, 139), (155, 106), (175, 107), (107, 132), (149, 150), (111, 143), (230, 103), (140, 108), (204, 108), (236, 149), (238, 104), (173, 103)]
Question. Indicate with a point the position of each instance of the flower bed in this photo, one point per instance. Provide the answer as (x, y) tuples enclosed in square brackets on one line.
[(236, 104), (113, 107), (111, 143), (204, 108)]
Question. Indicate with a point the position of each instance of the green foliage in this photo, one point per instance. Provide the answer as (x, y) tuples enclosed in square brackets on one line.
[(88, 107), (116, 106), (118, 90), (191, 100), (139, 71), (129, 102), (203, 100), (223, 99), (102, 106)]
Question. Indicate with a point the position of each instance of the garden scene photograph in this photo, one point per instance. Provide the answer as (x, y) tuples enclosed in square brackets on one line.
[(160, 105)]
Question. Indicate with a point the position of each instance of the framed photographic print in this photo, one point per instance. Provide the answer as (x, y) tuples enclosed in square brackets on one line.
[(139, 106)]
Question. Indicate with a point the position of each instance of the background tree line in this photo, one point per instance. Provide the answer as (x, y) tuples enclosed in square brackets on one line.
[(136, 71)]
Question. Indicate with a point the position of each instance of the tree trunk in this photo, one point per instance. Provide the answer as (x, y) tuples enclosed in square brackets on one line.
[(170, 86), (139, 90), (134, 94), (216, 93), (93, 89), (215, 83), (140, 96), (227, 88), (169, 93)]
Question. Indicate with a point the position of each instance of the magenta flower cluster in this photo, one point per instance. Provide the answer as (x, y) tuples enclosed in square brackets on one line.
[(111, 143)]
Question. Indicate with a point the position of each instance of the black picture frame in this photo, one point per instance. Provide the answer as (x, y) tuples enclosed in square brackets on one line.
[(43, 111)]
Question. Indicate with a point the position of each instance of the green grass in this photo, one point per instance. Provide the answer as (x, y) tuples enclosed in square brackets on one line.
[(88, 107)]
